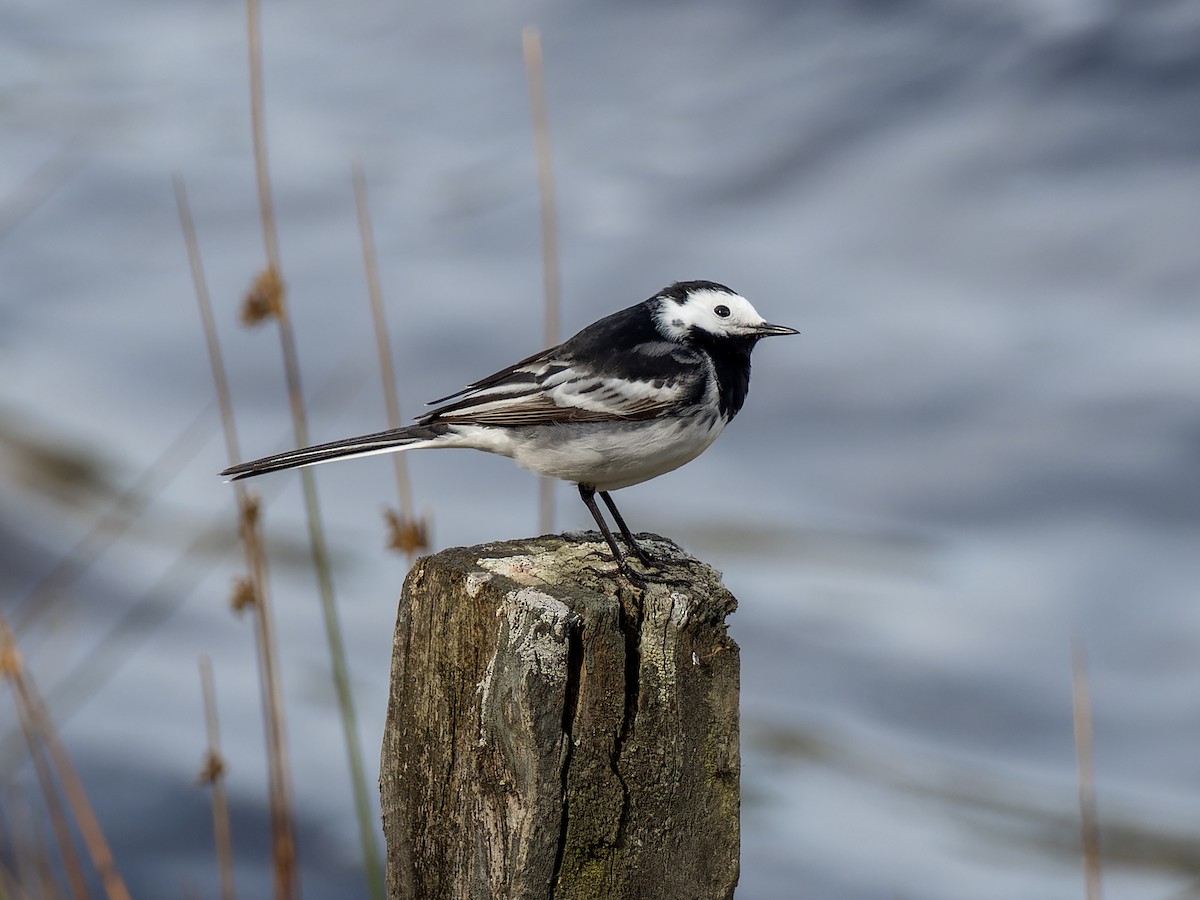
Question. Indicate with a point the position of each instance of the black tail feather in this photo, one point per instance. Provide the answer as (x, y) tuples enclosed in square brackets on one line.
[(365, 445)]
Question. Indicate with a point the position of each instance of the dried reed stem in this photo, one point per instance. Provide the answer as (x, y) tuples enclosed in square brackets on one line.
[(1081, 706), (407, 534), (207, 319), (258, 126), (387, 367), (531, 42), (214, 775), (279, 780), (26, 695), (333, 630), (58, 815)]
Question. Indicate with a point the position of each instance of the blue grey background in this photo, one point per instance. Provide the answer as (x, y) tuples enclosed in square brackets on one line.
[(986, 442)]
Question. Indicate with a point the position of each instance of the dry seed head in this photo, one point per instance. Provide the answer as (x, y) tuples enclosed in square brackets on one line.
[(264, 300), (404, 534), (211, 769), (244, 596)]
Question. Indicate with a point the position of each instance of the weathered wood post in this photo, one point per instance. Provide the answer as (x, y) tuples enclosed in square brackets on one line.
[(555, 732)]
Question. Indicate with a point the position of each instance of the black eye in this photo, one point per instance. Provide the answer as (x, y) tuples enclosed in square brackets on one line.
[(722, 311)]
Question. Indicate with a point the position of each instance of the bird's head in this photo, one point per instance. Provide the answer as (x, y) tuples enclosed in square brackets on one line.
[(705, 310)]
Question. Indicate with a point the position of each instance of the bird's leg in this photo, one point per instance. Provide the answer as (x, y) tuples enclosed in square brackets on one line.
[(645, 558), (588, 495)]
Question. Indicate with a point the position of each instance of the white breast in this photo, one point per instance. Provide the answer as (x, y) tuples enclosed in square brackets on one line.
[(616, 457)]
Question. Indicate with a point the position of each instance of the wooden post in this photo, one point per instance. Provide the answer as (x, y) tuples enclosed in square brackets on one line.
[(555, 732)]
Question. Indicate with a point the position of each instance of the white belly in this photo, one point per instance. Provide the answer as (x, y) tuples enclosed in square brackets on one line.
[(605, 456)]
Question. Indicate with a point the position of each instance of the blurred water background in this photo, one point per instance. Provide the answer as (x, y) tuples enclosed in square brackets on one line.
[(985, 220)]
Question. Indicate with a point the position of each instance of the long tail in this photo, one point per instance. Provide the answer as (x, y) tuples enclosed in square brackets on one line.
[(366, 445)]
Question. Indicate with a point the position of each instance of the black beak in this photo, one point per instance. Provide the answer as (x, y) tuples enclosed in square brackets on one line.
[(766, 329)]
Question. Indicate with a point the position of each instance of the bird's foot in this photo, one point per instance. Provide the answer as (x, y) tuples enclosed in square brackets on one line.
[(621, 569), (658, 577), (641, 579), (650, 562), (636, 578), (632, 575), (647, 559)]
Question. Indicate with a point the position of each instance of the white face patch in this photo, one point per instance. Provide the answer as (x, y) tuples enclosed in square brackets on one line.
[(716, 312)]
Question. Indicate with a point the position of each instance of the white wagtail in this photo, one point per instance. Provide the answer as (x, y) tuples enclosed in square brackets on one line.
[(629, 398)]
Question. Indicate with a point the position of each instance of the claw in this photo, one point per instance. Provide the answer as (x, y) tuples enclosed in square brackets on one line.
[(647, 560)]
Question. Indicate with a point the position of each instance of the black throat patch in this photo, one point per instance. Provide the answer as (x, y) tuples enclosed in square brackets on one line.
[(731, 362)]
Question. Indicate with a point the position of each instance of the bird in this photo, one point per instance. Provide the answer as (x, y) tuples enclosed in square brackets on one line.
[(632, 396)]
